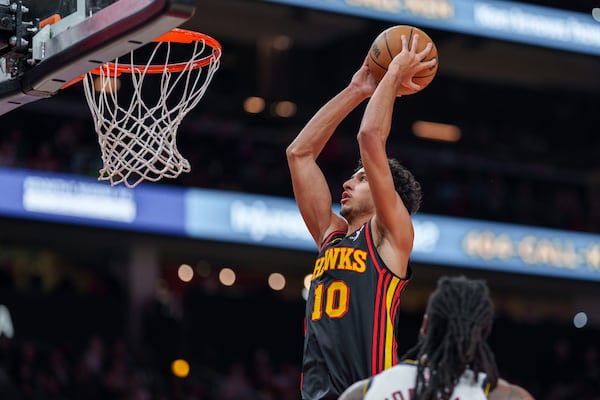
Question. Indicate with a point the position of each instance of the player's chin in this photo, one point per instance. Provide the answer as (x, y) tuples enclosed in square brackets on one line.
[(344, 211)]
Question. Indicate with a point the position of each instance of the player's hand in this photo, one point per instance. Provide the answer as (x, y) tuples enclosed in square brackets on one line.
[(409, 62), (364, 80)]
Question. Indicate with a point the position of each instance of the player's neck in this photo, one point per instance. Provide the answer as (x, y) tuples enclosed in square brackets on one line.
[(355, 223)]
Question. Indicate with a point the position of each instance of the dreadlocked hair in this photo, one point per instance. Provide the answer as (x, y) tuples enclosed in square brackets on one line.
[(460, 314), (405, 184)]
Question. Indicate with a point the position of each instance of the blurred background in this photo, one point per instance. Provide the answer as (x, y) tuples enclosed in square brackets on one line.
[(96, 306)]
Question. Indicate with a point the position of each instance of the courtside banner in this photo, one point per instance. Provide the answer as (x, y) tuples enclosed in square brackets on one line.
[(506, 247), (504, 20), (246, 218), (272, 221), (84, 201), (275, 222)]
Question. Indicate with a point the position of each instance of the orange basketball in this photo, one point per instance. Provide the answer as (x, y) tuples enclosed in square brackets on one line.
[(389, 43)]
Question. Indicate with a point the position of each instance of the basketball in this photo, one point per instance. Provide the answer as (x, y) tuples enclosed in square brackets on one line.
[(389, 43)]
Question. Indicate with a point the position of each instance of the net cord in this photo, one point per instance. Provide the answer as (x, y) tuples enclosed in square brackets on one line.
[(138, 141)]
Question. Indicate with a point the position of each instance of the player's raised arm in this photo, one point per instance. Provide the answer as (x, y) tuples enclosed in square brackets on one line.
[(311, 190), (392, 219)]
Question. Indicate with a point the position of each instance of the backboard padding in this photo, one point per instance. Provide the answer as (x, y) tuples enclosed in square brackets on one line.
[(105, 35)]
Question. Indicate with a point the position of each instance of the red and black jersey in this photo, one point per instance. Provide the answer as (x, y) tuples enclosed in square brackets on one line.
[(351, 315)]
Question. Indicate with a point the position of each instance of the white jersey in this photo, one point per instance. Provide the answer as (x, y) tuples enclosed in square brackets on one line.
[(398, 383)]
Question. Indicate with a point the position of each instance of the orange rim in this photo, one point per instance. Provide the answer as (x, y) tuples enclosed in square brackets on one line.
[(175, 35)]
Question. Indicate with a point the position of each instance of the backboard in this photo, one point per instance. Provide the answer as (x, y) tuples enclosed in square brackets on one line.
[(45, 44)]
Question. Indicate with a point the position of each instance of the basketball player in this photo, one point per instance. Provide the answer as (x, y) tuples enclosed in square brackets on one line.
[(362, 265), (454, 359)]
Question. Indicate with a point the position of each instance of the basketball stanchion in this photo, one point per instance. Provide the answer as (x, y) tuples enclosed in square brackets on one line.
[(137, 132)]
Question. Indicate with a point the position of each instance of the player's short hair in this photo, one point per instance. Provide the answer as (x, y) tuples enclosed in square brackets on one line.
[(405, 183)]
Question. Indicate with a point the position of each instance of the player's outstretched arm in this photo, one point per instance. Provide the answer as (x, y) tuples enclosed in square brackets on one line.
[(392, 218), (311, 190), (507, 391)]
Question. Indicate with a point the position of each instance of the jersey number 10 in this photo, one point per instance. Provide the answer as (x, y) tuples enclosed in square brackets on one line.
[(337, 299)]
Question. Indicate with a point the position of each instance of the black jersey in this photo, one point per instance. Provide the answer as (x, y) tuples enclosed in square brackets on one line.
[(351, 315)]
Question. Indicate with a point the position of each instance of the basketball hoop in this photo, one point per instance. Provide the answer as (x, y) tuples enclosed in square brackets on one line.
[(138, 134)]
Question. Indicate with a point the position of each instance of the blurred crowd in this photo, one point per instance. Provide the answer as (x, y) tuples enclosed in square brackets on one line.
[(105, 369), (68, 336), (561, 366)]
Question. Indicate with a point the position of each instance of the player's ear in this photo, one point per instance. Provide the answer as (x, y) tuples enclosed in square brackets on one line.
[(424, 326)]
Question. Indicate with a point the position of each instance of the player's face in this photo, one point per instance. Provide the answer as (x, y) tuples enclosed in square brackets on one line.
[(356, 198)]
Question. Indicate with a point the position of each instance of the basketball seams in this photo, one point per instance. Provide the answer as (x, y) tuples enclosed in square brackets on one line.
[(374, 59), (376, 63), (387, 46)]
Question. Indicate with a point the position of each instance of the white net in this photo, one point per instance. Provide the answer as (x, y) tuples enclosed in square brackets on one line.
[(137, 129)]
